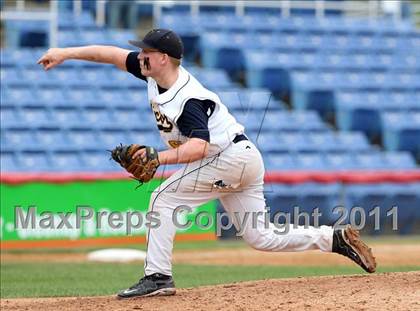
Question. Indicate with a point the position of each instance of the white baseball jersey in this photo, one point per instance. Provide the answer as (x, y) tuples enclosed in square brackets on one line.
[(169, 106), (233, 173)]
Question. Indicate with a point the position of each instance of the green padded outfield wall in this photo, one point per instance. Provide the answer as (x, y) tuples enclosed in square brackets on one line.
[(105, 195)]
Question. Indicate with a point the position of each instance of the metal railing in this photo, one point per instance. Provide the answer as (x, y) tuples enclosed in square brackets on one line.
[(370, 8), (416, 12), (21, 12)]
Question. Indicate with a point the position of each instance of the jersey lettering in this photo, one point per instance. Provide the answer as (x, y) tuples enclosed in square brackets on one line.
[(162, 121)]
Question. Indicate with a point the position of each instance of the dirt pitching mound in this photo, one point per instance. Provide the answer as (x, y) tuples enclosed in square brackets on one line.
[(385, 291)]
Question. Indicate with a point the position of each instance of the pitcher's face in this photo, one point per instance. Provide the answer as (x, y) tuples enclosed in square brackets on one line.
[(151, 62)]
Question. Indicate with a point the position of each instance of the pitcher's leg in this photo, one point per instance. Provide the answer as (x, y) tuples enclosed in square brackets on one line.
[(258, 232), (181, 189)]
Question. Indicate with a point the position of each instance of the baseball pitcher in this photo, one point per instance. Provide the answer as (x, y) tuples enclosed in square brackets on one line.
[(220, 161)]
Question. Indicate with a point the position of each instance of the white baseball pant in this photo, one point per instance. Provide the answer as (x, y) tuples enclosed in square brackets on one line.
[(241, 169)]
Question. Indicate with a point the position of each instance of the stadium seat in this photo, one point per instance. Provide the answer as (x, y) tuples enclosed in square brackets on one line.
[(97, 160), (370, 161), (310, 161), (10, 75), (110, 137), (338, 161), (400, 160), (325, 197), (82, 136), (402, 131), (35, 161), (8, 115), (280, 161), (9, 161), (18, 137), (51, 138), (65, 161), (271, 142)]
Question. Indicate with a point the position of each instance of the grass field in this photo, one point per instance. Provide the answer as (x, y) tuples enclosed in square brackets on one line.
[(90, 279), (43, 279)]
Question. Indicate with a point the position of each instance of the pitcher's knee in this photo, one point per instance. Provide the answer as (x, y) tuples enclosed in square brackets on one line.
[(158, 200), (255, 239)]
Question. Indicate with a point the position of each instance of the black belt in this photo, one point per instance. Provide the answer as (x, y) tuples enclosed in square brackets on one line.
[(239, 138)]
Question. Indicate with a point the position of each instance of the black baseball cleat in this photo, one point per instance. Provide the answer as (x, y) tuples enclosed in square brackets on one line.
[(151, 285), (347, 242)]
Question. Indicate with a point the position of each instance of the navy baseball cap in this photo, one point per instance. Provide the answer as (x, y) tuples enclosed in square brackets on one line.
[(163, 40)]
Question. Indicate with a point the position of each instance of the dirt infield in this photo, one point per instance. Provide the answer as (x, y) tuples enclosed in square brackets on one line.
[(386, 291), (386, 255)]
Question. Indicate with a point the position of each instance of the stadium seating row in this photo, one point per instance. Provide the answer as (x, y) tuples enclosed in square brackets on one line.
[(366, 197), (50, 136), (66, 158), (96, 76), (262, 22)]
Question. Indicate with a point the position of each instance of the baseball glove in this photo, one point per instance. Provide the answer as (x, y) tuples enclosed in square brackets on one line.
[(142, 170)]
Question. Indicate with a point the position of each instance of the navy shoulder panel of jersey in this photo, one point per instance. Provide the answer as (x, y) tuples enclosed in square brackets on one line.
[(194, 119), (133, 66)]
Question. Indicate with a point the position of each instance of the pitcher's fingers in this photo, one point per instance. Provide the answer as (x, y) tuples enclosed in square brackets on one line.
[(42, 59), (49, 66), (138, 153)]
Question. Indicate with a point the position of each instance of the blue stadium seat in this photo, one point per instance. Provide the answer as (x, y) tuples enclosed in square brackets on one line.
[(406, 198), (252, 121), (145, 137), (320, 141), (81, 137), (34, 115), (306, 197), (68, 38), (400, 160), (95, 76), (402, 131), (280, 161), (18, 136), (65, 114), (310, 161), (80, 96), (120, 38), (35, 75), (99, 36), (386, 196), (313, 91), (19, 95), (51, 137), (359, 116), (8, 161), (53, 94), (212, 78), (34, 161), (325, 197), (97, 115), (111, 97), (282, 198), (123, 79), (10, 75), (338, 161), (352, 141), (370, 161), (98, 160), (367, 197), (66, 160), (271, 142), (8, 115), (110, 137)]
